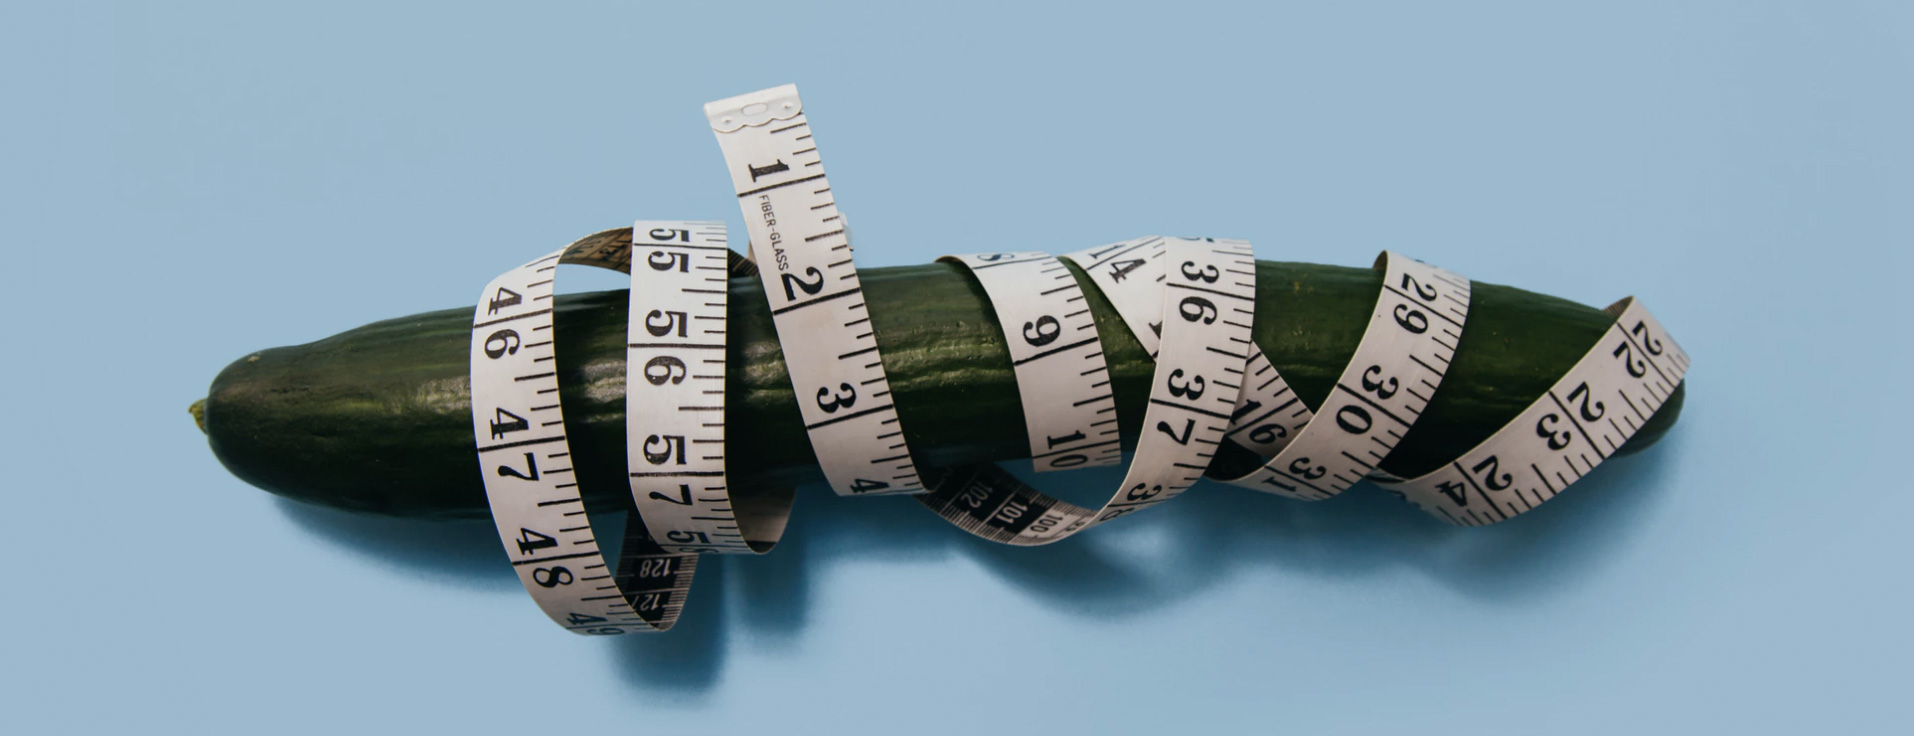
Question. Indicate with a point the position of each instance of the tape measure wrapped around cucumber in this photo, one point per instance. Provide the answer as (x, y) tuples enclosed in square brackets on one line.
[(700, 396)]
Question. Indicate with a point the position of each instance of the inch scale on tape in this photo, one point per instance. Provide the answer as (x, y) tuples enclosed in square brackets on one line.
[(525, 460), (1183, 423), (1586, 416), (817, 304), (1130, 274), (1068, 406)]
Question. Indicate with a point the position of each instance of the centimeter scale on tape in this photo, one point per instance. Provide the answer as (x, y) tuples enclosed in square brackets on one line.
[(803, 252), (1189, 302)]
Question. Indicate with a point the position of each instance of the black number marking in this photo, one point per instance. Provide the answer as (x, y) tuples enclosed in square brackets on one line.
[(672, 320), (1267, 433), (1193, 389), (552, 577), (1382, 389), (1457, 493), (1068, 438), (530, 541), (501, 299), (665, 368), (1189, 425), (843, 400), (1303, 468), (659, 448), (1490, 471), (1354, 419), (1208, 275), (1556, 440), (678, 536), (505, 422), (501, 344), (1119, 269), (863, 485), (1042, 332), (1412, 319), (1625, 352), (1410, 282), (683, 499), (531, 461), (776, 166), (1649, 342), (1196, 308), (668, 234), (793, 284), (1588, 415), (663, 261), (1139, 493)]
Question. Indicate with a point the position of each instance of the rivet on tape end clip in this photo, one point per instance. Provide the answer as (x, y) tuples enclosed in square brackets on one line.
[(756, 108)]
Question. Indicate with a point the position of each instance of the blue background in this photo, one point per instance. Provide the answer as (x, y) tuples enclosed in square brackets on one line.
[(183, 184)]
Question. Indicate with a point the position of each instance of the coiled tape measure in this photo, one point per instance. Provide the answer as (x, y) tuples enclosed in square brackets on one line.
[(1190, 302)]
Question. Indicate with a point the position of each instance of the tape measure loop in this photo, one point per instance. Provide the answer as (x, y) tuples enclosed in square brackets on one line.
[(526, 462)]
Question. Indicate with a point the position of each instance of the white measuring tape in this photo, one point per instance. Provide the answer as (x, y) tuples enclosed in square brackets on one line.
[(1585, 417), (1068, 405), (1130, 274), (1189, 302), (674, 392), (817, 303), (525, 459), (1204, 345)]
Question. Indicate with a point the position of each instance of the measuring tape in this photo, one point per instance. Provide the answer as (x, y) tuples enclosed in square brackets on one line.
[(1130, 274), (817, 303), (674, 393), (1068, 406), (1586, 416), (1189, 302), (519, 424), (1397, 366), (1205, 324)]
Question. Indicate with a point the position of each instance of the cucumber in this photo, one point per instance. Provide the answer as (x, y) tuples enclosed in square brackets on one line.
[(377, 419)]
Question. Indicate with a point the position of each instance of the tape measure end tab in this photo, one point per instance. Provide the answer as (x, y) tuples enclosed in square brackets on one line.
[(753, 109)]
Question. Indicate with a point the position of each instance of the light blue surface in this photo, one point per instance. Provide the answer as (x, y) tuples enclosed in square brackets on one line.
[(182, 185)]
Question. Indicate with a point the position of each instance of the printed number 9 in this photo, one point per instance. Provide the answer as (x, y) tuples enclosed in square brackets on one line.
[(1042, 332)]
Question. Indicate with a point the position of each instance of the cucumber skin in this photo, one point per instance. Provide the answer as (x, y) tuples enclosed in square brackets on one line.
[(378, 419)]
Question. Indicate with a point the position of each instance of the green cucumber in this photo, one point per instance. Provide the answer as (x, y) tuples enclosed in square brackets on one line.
[(378, 419)]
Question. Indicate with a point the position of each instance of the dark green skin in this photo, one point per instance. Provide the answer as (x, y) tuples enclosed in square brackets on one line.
[(378, 419)]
